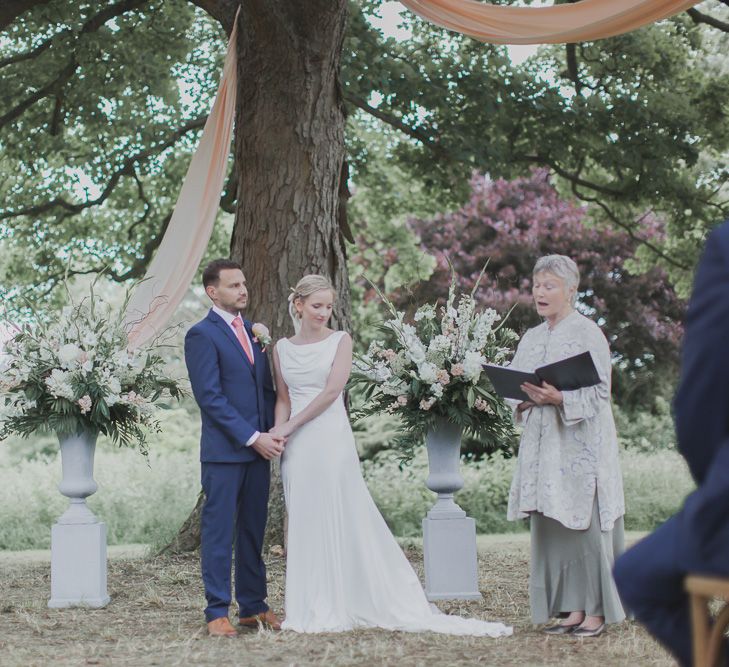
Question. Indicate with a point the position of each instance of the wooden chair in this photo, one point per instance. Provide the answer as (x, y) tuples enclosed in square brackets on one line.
[(708, 639)]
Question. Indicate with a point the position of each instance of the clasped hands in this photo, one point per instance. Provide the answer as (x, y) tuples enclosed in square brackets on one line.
[(271, 445), (547, 394)]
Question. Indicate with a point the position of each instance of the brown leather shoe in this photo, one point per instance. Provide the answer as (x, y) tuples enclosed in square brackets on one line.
[(221, 627), (267, 619)]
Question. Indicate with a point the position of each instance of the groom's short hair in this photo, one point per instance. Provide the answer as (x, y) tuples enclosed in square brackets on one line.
[(211, 273)]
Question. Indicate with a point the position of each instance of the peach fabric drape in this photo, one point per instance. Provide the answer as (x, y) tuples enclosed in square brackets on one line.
[(155, 299), (577, 22), (170, 273)]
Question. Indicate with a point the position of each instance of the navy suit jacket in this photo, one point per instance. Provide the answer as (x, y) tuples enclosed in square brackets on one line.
[(701, 410), (236, 398)]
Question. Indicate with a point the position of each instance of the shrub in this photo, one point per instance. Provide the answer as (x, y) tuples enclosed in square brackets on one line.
[(143, 501)]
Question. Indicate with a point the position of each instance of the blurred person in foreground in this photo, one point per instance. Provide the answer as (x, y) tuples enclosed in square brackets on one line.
[(696, 540)]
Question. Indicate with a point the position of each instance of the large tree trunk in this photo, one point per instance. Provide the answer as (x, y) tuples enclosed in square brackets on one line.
[(289, 154)]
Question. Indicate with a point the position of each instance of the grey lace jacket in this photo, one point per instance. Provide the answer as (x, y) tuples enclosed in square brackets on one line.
[(568, 455)]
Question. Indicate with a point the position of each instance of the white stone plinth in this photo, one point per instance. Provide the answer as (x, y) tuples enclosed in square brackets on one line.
[(78, 565), (449, 552)]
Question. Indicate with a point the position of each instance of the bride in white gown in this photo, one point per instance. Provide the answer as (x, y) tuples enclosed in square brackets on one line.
[(344, 569)]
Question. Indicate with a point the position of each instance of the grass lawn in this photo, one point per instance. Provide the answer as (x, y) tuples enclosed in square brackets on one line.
[(155, 618)]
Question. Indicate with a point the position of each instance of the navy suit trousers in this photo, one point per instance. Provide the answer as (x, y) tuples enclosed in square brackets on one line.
[(234, 514)]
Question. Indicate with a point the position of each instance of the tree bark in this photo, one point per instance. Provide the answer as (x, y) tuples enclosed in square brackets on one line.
[(289, 151), (289, 157)]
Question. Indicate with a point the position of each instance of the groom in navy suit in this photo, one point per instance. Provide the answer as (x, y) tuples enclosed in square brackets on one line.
[(231, 381), (650, 575)]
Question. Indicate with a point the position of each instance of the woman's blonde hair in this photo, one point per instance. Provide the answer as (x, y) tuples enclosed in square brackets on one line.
[(305, 288)]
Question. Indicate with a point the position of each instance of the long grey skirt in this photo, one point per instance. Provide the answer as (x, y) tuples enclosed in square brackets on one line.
[(571, 570)]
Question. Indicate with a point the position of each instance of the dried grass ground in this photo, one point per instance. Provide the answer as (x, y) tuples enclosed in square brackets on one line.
[(155, 618)]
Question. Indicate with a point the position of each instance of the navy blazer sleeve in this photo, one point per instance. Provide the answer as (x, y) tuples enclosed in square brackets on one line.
[(202, 367), (701, 404)]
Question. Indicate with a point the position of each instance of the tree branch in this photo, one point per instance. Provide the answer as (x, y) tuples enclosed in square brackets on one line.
[(65, 75), (629, 229), (222, 11), (33, 53), (126, 169), (570, 176), (50, 88), (137, 270), (572, 68), (12, 9), (698, 17), (416, 133)]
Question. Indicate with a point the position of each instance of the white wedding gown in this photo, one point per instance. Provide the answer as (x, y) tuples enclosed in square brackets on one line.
[(344, 569)]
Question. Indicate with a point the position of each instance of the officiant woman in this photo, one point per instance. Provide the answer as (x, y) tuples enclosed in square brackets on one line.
[(567, 479)]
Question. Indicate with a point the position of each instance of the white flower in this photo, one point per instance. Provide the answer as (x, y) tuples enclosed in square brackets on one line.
[(428, 372), (437, 390), (85, 404), (427, 403), (416, 351), (394, 388), (121, 358), (382, 372), (59, 384), (90, 339), (473, 365), (69, 355), (402, 400), (426, 312), (114, 385)]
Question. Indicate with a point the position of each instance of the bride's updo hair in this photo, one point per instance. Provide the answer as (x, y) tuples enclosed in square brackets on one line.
[(305, 288)]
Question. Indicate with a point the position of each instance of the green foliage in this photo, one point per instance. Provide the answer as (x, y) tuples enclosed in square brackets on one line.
[(646, 430), (102, 106), (140, 500), (655, 486), (631, 124), (146, 500)]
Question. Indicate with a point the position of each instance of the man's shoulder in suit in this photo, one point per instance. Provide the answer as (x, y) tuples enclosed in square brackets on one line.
[(200, 326)]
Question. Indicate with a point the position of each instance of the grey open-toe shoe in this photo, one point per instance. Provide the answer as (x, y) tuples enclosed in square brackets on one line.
[(584, 632), (560, 629)]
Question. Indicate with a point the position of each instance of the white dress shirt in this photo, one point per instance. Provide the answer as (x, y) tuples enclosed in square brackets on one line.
[(228, 318)]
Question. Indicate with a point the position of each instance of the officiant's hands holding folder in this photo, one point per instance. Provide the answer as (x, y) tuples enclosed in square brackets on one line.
[(546, 394)]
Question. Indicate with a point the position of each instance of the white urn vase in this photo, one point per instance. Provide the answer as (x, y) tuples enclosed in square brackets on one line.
[(449, 536), (78, 538)]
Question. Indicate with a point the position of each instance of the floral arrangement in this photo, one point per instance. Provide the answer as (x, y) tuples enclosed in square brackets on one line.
[(72, 371), (433, 367)]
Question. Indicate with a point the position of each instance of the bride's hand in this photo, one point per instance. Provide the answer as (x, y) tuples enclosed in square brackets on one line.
[(282, 430)]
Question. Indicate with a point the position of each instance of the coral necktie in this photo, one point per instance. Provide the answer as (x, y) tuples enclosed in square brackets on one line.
[(242, 338)]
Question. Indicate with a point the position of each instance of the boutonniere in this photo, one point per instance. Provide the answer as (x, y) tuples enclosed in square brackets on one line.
[(261, 335)]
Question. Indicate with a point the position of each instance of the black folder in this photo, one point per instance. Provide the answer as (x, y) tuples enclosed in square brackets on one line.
[(567, 374)]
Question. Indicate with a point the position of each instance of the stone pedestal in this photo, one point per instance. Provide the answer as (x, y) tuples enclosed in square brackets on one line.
[(449, 536), (78, 539), (78, 565)]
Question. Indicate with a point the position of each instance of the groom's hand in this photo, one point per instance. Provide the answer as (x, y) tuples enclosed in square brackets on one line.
[(268, 446)]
